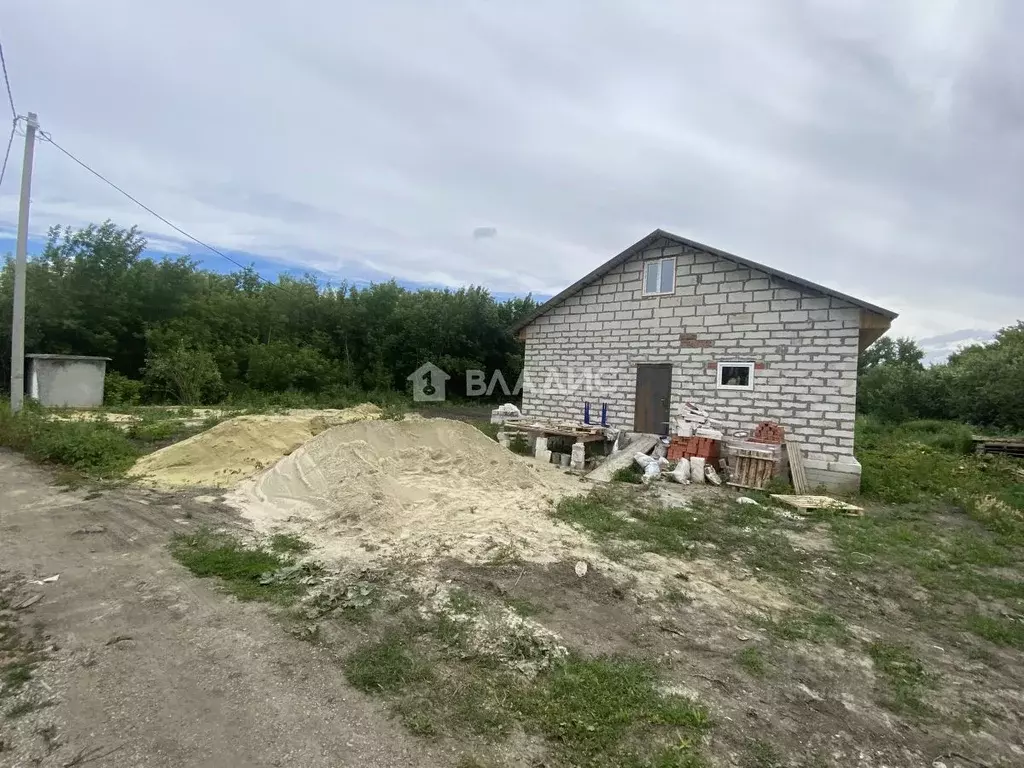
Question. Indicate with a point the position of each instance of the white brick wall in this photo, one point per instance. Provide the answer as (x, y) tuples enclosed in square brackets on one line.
[(587, 348)]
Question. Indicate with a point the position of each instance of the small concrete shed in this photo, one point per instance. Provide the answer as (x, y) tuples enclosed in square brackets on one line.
[(66, 381)]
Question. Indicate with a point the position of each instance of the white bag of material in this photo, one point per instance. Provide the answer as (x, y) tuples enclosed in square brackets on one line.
[(651, 472), (644, 461), (509, 409), (697, 470), (663, 463), (711, 475), (681, 474)]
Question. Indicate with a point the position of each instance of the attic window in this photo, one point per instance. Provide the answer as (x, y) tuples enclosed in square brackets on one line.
[(734, 375), (659, 276)]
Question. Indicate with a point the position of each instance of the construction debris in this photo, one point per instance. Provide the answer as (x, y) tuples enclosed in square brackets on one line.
[(804, 502), (796, 467), (622, 458)]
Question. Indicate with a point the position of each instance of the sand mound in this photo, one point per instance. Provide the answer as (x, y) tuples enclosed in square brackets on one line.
[(240, 447), (419, 487)]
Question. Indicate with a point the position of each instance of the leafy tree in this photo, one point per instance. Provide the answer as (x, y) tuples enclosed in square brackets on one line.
[(185, 373)]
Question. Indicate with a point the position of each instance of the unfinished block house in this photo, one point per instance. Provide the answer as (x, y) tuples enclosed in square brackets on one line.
[(670, 320)]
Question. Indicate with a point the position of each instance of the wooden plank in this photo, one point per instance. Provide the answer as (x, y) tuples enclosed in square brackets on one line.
[(796, 467), (622, 458), (802, 501)]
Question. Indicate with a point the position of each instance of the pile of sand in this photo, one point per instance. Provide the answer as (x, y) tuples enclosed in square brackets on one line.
[(240, 447), (419, 488)]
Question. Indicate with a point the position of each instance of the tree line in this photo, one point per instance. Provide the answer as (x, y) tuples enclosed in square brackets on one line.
[(178, 333), (981, 385)]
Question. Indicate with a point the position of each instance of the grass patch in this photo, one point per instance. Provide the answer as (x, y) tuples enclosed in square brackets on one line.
[(605, 711), (489, 429), (23, 708), (95, 449), (904, 677), (1002, 630), (14, 675), (596, 709), (752, 660), (289, 543), (460, 601), (816, 627), (386, 666), (245, 572), (525, 607), (621, 514), (517, 443), (761, 754), (631, 473)]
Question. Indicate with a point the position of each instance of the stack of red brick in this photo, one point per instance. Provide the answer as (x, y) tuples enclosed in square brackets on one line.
[(768, 432), (688, 447)]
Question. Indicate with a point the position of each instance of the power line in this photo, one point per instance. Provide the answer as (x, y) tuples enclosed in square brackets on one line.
[(46, 137), (7, 81), (7, 154)]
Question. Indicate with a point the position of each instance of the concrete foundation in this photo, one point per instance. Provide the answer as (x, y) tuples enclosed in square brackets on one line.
[(842, 476), (66, 381)]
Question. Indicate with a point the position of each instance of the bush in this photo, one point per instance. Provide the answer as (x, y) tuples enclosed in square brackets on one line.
[(119, 390), (188, 374), (93, 448), (518, 443)]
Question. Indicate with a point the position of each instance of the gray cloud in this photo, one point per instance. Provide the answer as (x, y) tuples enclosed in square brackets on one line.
[(877, 149)]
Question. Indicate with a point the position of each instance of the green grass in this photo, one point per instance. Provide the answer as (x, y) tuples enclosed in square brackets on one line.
[(605, 711), (904, 678), (386, 666), (591, 707), (752, 660), (614, 514), (485, 426), (14, 675), (95, 449), (289, 543), (761, 754), (517, 443), (525, 607), (631, 473), (812, 626), (1001, 630), (245, 572), (23, 708)]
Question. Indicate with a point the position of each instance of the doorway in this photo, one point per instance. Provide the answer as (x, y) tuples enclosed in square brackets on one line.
[(653, 396)]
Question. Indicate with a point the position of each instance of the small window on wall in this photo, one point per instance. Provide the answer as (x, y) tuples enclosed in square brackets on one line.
[(659, 276), (732, 375)]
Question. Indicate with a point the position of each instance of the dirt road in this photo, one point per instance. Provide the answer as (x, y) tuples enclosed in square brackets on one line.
[(156, 665)]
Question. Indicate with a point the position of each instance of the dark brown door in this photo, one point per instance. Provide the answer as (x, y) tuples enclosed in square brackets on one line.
[(653, 388)]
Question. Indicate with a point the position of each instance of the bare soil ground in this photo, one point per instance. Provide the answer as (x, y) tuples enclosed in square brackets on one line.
[(128, 660), (707, 633)]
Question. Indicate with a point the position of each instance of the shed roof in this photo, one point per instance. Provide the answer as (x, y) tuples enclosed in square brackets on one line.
[(42, 356), (660, 233)]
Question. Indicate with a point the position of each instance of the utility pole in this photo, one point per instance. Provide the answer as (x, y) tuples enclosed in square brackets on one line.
[(20, 258)]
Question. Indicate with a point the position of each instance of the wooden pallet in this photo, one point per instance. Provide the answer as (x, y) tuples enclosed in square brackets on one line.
[(796, 467), (804, 502), (751, 469)]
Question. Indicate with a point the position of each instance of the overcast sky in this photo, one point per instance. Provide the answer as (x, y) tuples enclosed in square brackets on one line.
[(876, 147)]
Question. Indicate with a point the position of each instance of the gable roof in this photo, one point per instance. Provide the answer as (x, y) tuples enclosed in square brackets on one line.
[(658, 234)]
